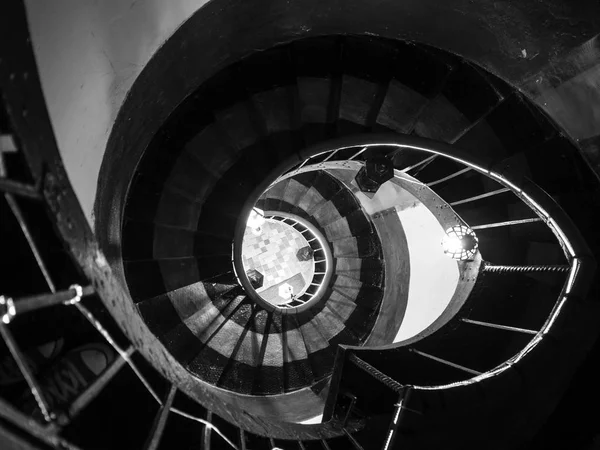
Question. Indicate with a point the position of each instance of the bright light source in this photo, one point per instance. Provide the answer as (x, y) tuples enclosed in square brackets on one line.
[(255, 220), (460, 243)]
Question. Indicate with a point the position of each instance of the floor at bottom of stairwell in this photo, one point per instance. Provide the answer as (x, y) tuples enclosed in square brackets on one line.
[(273, 254)]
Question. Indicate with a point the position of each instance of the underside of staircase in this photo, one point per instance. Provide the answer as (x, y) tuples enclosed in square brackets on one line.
[(212, 368)]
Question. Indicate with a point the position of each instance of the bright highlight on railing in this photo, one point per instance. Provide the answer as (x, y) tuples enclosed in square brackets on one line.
[(256, 221)]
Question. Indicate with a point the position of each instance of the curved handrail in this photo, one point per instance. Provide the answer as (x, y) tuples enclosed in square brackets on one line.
[(582, 263)]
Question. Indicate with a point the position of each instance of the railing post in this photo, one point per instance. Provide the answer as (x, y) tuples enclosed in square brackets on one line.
[(398, 414)]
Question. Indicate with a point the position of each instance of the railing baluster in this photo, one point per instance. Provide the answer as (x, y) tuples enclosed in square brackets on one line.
[(16, 210), (420, 163), (479, 197), (96, 387), (22, 190), (500, 327), (446, 362), (242, 440), (398, 414), (352, 439), (10, 308), (325, 444), (507, 223), (357, 154), (158, 427), (449, 177)]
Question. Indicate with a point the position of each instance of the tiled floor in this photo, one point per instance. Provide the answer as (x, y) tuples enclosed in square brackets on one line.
[(273, 253)]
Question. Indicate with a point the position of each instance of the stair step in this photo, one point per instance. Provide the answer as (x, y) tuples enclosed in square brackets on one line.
[(223, 155), (311, 201)]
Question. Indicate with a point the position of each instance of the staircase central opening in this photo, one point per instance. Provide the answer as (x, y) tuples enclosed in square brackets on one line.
[(285, 258), (279, 260)]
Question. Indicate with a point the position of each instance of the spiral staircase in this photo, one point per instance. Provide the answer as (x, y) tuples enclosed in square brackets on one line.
[(198, 361)]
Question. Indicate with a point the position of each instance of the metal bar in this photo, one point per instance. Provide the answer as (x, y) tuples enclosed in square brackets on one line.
[(358, 153), (325, 444), (206, 431), (479, 197), (500, 327), (46, 433), (99, 383), (242, 440), (272, 442), (448, 363), (158, 427), (35, 302), (350, 408), (90, 317), (303, 164), (398, 414), (379, 376), (449, 177), (34, 386), (504, 224), (331, 155), (355, 443), (313, 239), (301, 445), (206, 424), (525, 269), (20, 189), (16, 210), (320, 261), (420, 163)]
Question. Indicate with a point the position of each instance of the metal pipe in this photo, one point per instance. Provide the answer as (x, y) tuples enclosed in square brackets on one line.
[(448, 363), (242, 440), (449, 177), (330, 156), (500, 327), (158, 427), (479, 197), (34, 386), (503, 224)]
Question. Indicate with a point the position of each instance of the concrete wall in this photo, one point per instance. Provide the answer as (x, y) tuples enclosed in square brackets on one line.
[(89, 53)]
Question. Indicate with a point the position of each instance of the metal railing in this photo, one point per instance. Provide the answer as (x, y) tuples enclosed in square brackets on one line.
[(321, 258)]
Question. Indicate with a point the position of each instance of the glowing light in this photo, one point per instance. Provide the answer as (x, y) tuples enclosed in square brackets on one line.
[(255, 221), (460, 243)]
